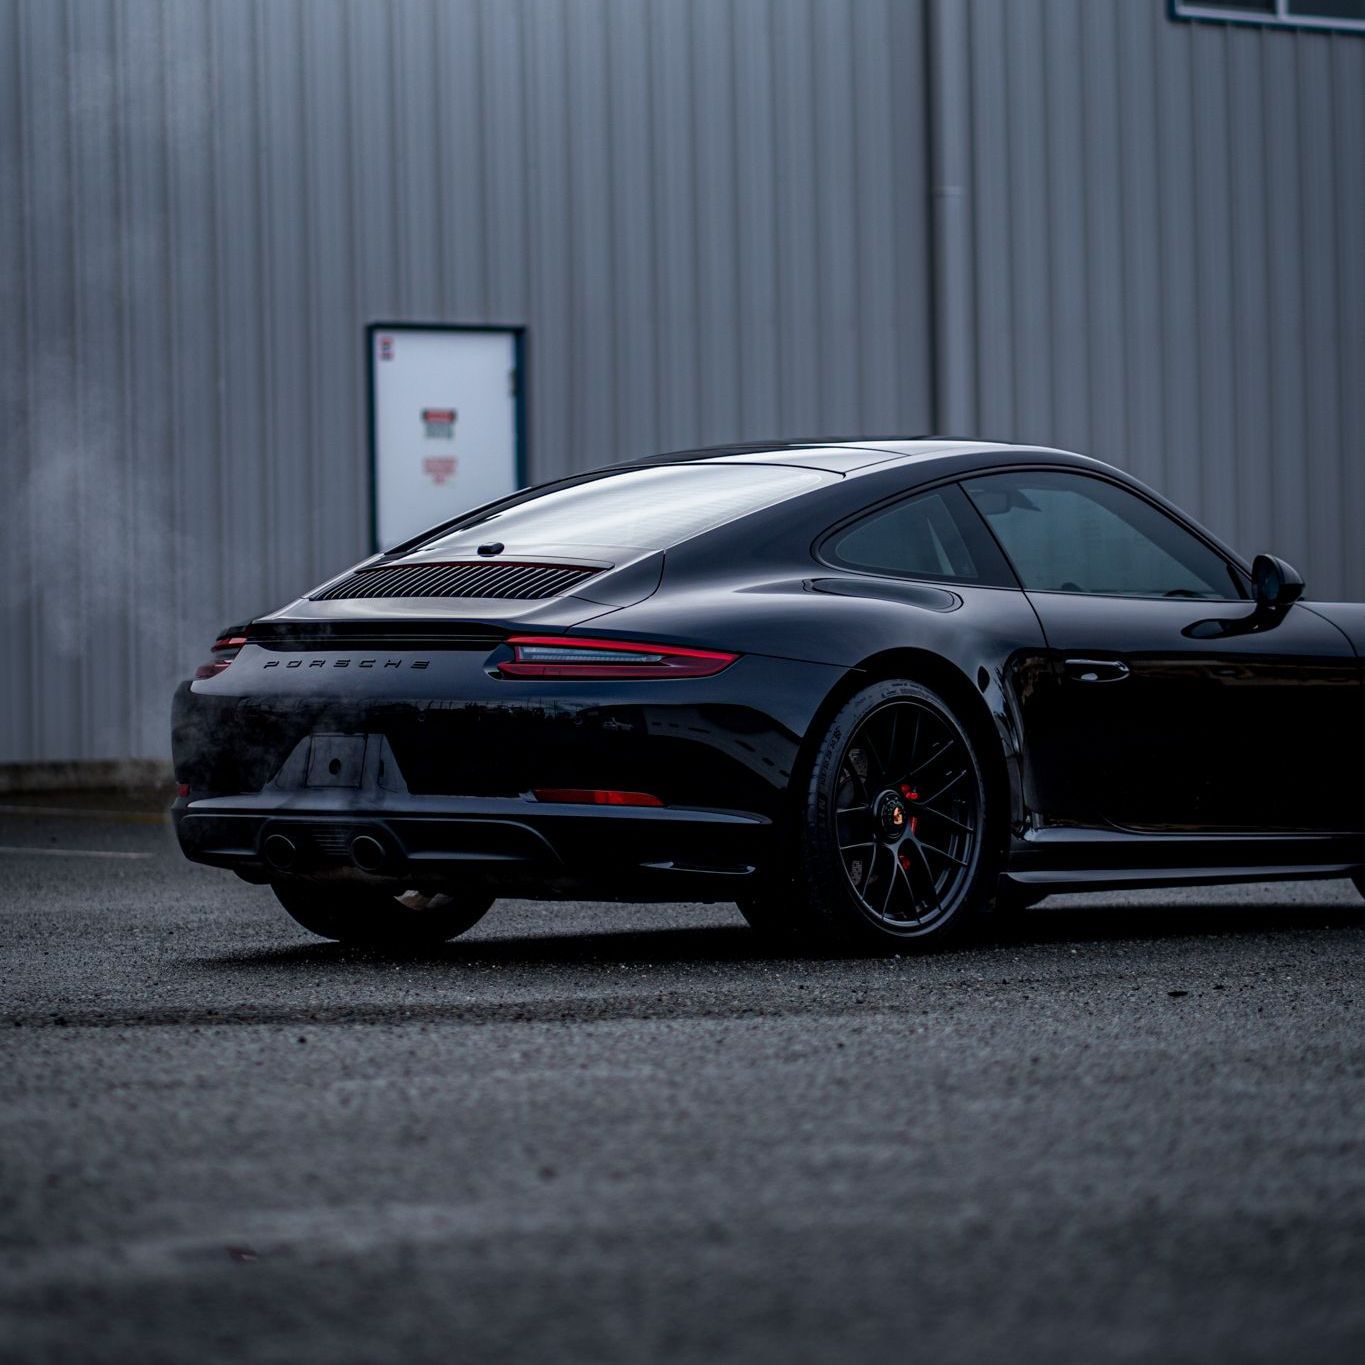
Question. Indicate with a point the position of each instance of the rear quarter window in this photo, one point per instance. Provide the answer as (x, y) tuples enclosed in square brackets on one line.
[(933, 535)]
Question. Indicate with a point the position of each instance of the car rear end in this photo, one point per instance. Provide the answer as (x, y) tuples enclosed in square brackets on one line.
[(442, 715)]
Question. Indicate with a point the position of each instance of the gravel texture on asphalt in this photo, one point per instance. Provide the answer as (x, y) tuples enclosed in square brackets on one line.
[(1121, 1128)]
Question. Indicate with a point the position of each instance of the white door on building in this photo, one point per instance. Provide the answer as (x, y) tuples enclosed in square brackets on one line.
[(446, 419)]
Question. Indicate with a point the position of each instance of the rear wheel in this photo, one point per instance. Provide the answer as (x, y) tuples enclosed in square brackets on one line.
[(374, 918), (896, 845)]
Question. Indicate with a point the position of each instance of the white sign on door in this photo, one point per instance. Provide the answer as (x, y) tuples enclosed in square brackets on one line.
[(445, 417)]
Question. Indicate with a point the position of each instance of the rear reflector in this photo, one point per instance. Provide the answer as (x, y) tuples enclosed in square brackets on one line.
[(554, 656), (592, 796)]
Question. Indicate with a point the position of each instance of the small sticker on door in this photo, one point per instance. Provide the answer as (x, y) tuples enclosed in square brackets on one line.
[(439, 422), (439, 468)]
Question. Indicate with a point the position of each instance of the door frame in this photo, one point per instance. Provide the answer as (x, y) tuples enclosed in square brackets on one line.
[(521, 459)]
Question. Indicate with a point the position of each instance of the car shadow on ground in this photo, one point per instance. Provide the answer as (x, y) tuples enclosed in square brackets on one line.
[(733, 944)]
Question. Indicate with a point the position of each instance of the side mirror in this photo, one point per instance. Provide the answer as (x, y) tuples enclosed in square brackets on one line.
[(1278, 585)]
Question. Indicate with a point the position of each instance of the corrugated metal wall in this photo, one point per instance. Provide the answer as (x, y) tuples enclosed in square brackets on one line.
[(1168, 226), (714, 217), (707, 214)]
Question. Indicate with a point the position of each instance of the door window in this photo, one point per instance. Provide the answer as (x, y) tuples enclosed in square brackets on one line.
[(1067, 532)]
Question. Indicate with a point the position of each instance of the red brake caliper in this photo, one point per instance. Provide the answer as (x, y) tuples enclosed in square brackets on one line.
[(911, 794)]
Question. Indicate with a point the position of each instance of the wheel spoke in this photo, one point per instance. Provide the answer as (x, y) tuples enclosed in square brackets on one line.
[(890, 881), (914, 736), (909, 887), (928, 801), (874, 759), (852, 822), (929, 876), (914, 870), (942, 853), (868, 872), (930, 761), (921, 809), (852, 789)]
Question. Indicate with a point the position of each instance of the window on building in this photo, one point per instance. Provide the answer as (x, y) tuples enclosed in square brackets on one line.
[(1341, 14)]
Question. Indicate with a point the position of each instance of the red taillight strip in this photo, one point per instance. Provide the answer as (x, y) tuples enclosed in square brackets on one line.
[(662, 661), (625, 646), (225, 650), (592, 796)]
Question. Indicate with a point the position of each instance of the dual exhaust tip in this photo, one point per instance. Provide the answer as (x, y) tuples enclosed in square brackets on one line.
[(367, 853)]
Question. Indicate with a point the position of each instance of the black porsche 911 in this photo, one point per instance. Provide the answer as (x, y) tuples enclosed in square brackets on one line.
[(867, 690)]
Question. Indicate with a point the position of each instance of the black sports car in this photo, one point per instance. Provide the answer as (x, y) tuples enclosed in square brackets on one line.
[(866, 688)]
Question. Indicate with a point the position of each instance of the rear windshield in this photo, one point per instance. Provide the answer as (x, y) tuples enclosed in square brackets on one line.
[(648, 509)]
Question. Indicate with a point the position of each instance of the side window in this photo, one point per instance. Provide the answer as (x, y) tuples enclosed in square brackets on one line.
[(1067, 532), (931, 535)]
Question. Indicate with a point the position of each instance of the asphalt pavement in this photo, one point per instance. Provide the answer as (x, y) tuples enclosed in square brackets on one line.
[(1124, 1128)]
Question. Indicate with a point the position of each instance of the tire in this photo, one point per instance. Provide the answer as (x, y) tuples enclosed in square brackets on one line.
[(1358, 878), (366, 917), (897, 847)]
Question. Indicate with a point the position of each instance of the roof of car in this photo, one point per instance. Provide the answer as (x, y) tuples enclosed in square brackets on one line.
[(839, 455)]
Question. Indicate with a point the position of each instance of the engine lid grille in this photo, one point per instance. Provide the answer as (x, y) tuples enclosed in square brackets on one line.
[(479, 579)]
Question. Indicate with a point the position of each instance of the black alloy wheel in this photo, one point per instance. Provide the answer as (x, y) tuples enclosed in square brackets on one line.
[(897, 843), (372, 917)]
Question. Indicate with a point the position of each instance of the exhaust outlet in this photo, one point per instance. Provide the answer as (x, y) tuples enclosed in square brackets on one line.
[(280, 852), (368, 854)]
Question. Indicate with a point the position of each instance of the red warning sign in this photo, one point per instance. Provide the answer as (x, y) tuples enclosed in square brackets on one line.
[(439, 422)]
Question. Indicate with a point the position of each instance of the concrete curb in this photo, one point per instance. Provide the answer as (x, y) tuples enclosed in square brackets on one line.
[(129, 774)]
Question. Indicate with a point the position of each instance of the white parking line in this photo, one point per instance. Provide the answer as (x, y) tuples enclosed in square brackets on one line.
[(70, 852)]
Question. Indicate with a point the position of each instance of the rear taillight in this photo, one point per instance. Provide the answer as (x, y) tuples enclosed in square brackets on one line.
[(552, 656), (594, 796), (224, 651)]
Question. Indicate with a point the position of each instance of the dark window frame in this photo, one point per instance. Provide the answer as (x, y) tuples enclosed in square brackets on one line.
[(1282, 17), (981, 543), (1238, 572)]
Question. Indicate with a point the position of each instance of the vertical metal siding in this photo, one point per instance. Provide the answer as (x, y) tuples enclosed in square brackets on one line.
[(690, 205), (1167, 220), (712, 215)]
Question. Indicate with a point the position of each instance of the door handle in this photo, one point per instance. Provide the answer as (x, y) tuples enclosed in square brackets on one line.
[(1096, 670)]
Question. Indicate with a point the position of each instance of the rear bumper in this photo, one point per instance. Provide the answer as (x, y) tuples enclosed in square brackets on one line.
[(451, 757), (512, 844)]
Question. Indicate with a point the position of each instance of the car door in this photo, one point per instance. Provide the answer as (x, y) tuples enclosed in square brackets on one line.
[(1164, 700)]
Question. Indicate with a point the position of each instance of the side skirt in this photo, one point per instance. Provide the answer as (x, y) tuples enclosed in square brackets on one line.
[(1098, 859)]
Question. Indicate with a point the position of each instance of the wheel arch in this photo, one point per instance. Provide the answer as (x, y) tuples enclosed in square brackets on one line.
[(988, 732)]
